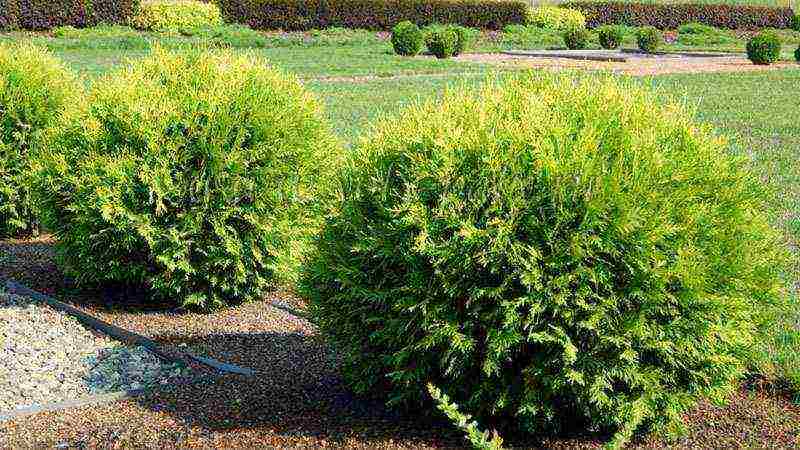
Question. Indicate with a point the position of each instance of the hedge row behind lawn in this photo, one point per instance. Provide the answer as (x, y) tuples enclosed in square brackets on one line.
[(298, 15), (670, 17), (47, 14)]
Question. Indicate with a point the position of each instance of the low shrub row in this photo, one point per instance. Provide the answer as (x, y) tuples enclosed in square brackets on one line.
[(48, 14), (295, 15), (672, 16)]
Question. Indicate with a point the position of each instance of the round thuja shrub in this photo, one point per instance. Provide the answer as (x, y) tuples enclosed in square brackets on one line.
[(407, 39), (610, 36), (192, 175), (649, 39), (545, 251), (764, 48), (442, 42), (35, 88), (576, 38)]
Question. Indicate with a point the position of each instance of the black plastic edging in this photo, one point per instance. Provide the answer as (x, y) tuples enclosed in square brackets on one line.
[(123, 335), (94, 400)]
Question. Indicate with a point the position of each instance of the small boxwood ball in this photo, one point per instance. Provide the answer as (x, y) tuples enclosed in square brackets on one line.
[(649, 39), (546, 250), (576, 38), (35, 89), (442, 42), (764, 48), (610, 36), (193, 174), (407, 39)]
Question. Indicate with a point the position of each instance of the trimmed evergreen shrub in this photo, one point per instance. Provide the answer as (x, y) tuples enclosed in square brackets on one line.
[(464, 36), (796, 22), (670, 16), (576, 39), (797, 54), (649, 39), (35, 88), (407, 39), (546, 252), (193, 174), (176, 16), (610, 36), (556, 18), (442, 42), (764, 48)]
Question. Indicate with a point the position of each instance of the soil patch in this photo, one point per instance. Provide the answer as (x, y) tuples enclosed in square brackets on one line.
[(637, 66)]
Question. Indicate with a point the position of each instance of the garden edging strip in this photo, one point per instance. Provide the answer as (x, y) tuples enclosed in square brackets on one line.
[(94, 400), (123, 335)]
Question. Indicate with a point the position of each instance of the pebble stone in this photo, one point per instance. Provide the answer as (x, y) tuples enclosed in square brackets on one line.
[(48, 356)]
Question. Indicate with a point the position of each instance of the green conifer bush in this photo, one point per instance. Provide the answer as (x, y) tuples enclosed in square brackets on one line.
[(193, 174), (35, 88), (407, 39), (545, 250)]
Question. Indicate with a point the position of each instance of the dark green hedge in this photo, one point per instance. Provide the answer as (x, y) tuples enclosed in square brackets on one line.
[(370, 14), (47, 14), (670, 17)]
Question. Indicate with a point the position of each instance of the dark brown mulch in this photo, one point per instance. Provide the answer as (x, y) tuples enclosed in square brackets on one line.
[(297, 397)]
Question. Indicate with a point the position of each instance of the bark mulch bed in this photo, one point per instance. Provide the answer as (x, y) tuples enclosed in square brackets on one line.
[(296, 398)]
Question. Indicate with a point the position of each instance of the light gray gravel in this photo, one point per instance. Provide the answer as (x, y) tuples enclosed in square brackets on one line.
[(47, 356)]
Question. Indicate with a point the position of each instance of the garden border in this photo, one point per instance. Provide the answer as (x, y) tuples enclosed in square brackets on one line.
[(125, 336)]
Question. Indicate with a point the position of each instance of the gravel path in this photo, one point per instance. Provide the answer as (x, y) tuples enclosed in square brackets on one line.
[(634, 66), (50, 357)]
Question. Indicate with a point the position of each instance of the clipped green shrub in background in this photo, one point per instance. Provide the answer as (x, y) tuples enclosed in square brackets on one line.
[(610, 36), (442, 41), (407, 39), (649, 39), (797, 54), (796, 22), (764, 48), (35, 88), (193, 174), (464, 36), (556, 18), (576, 38), (549, 251), (176, 16)]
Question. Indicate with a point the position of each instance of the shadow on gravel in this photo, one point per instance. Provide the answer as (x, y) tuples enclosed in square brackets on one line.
[(295, 392)]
